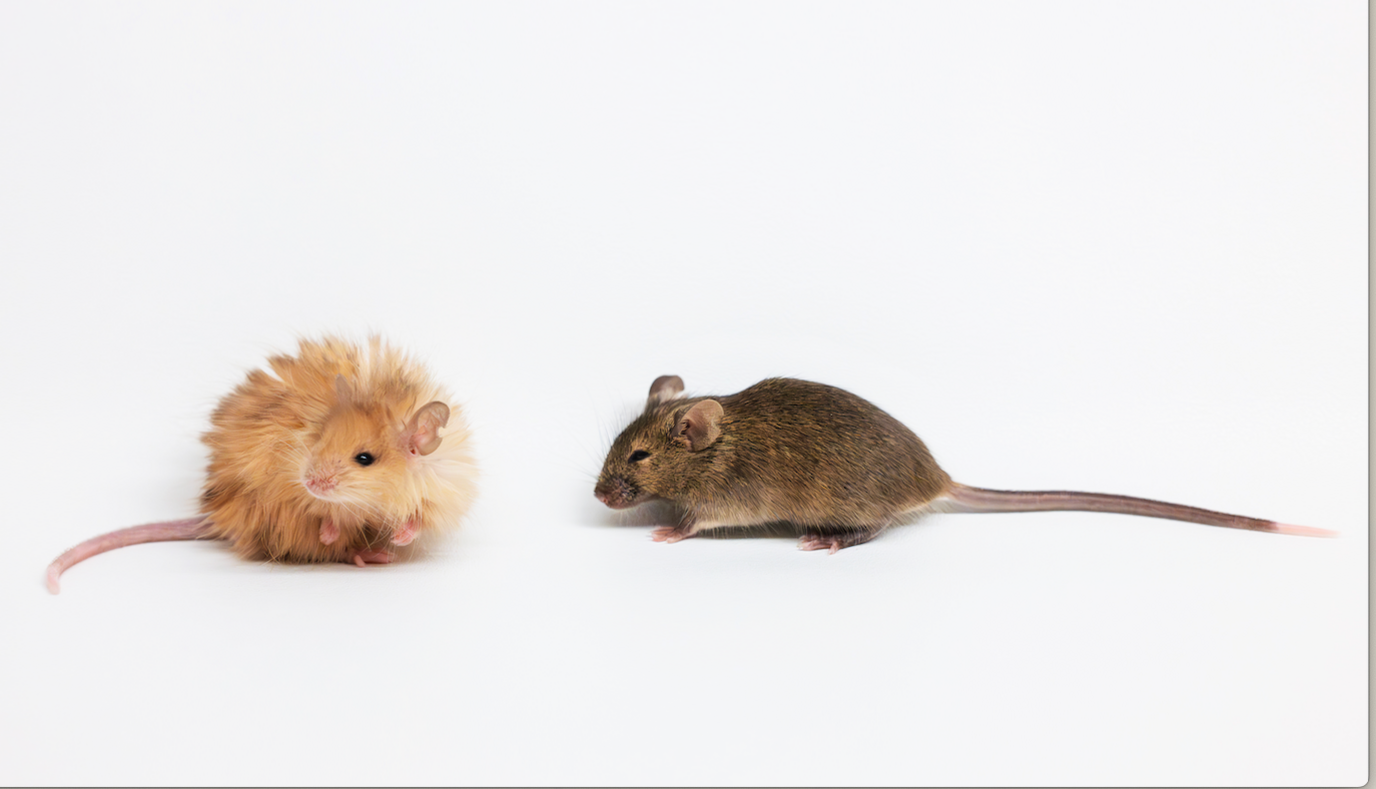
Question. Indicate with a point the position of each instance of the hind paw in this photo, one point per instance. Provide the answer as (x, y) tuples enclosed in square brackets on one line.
[(831, 543), (369, 556), (820, 542)]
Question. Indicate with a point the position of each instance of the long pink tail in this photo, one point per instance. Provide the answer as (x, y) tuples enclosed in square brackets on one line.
[(190, 529), (962, 498)]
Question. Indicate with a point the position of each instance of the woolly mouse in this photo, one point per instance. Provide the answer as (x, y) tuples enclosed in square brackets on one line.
[(336, 454), (821, 459)]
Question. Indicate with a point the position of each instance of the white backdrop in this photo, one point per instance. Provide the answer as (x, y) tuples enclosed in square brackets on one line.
[(1115, 247)]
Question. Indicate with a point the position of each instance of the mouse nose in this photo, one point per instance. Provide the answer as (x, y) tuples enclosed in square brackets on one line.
[(320, 484), (615, 493)]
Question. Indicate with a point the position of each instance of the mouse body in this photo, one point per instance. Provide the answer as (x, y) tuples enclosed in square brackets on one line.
[(820, 459), (341, 453)]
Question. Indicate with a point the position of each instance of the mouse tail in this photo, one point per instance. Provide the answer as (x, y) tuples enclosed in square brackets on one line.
[(963, 498), (189, 529)]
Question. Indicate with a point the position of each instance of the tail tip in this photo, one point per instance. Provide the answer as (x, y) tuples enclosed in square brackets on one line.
[(54, 573), (1301, 531)]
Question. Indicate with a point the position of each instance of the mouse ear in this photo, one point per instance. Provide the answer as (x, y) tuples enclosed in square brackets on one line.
[(423, 431), (342, 391), (665, 387), (700, 425)]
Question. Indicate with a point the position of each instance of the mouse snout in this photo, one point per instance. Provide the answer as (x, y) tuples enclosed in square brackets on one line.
[(616, 493)]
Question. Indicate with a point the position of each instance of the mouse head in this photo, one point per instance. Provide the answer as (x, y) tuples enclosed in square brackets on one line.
[(365, 451), (664, 451)]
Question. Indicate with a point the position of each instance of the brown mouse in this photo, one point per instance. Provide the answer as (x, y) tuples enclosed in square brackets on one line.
[(338, 454), (818, 458)]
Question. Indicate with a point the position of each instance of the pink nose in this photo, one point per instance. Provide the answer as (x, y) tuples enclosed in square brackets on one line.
[(602, 497), (320, 485)]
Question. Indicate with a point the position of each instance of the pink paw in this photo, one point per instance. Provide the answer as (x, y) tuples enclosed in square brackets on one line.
[(369, 556), (407, 532), (813, 542), (669, 534), (329, 532)]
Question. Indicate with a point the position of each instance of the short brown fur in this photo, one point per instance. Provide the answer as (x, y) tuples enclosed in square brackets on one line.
[(788, 450)]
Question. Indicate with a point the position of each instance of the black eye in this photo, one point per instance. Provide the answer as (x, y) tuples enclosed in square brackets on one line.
[(639, 455), (364, 459)]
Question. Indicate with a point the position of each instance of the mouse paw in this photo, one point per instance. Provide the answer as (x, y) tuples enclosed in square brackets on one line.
[(329, 532), (820, 542), (831, 543), (407, 532), (369, 556), (670, 534)]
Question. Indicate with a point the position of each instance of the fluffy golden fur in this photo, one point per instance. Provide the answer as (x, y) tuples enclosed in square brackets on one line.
[(284, 479)]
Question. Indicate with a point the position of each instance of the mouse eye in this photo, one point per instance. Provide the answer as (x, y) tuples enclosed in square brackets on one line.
[(639, 455), (364, 459)]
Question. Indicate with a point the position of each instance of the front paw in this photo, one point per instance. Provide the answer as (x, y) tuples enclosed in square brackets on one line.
[(671, 534), (329, 532), (407, 532)]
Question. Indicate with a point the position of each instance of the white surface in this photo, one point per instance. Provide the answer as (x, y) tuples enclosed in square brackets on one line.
[(1111, 247)]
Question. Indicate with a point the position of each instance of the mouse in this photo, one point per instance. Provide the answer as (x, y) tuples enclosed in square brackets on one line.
[(821, 460), (343, 452)]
